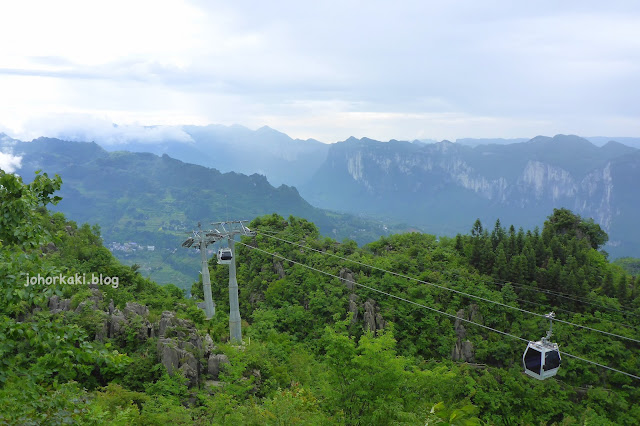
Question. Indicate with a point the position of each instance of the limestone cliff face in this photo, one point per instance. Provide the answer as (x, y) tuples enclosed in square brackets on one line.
[(596, 197), (427, 185), (548, 181)]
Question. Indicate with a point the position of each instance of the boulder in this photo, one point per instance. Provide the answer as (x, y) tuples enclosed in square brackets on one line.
[(463, 350), (169, 354), (214, 365), (167, 320), (207, 345), (117, 324), (96, 296), (373, 320), (103, 331), (379, 320), (190, 373), (132, 309), (256, 297), (347, 278), (279, 269), (353, 307), (59, 305)]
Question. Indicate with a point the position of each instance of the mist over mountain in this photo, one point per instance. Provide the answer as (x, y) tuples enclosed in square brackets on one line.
[(226, 148), (489, 141)]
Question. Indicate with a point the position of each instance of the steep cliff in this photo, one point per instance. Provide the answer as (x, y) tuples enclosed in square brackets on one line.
[(444, 187)]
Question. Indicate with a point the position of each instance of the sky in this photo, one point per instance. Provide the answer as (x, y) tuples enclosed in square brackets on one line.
[(326, 70)]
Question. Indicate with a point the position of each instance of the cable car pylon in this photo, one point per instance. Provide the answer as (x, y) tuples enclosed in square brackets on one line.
[(226, 256), (200, 240)]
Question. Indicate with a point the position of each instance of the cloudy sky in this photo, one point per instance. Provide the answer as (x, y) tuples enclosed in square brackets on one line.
[(326, 70)]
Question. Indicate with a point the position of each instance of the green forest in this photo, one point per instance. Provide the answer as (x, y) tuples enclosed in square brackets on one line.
[(355, 340)]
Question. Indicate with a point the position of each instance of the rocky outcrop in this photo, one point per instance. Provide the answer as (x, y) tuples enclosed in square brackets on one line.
[(93, 302), (178, 355), (463, 350), (278, 268), (214, 365), (353, 307), (347, 278), (169, 354), (256, 297), (373, 320), (132, 309), (372, 317), (117, 324), (56, 304), (180, 347)]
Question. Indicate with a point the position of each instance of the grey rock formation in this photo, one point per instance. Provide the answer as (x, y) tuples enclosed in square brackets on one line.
[(372, 317), (214, 365), (347, 278), (353, 307), (132, 309), (180, 348), (256, 297), (279, 269), (191, 374), (463, 350), (96, 296), (117, 324), (167, 320), (169, 354), (103, 332), (59, 305), (136, 315)]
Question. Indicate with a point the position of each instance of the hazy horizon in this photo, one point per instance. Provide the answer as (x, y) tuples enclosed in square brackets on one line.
[(106, 133)]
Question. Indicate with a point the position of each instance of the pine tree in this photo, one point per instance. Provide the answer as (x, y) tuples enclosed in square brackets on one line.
[(520, 240), (497, 235), (477, 244), (488, 256), (500, 268), (622, 289), (530, 257), (608, 287)]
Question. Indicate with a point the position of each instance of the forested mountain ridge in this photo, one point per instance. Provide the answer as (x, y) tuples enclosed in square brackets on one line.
[(438, 187), (321, 350), (442, 187), (154, 201), (234, 149)]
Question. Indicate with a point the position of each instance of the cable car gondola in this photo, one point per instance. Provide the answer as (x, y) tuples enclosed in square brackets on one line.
[(542, 359), (224, 256)]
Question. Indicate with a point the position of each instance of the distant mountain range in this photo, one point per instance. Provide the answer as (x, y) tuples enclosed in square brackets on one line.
[(155, 200), (438, 187), (237, 149), (443, 187)]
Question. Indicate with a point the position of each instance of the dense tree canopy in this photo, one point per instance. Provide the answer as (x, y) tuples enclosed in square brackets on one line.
[(319, 350)]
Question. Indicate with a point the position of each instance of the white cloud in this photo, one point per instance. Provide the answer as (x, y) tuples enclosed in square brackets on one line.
[(87, 128), (9, 163), (325, 69)]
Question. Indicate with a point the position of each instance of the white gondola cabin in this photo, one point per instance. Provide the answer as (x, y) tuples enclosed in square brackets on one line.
[(542, 359), (224, 256)]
